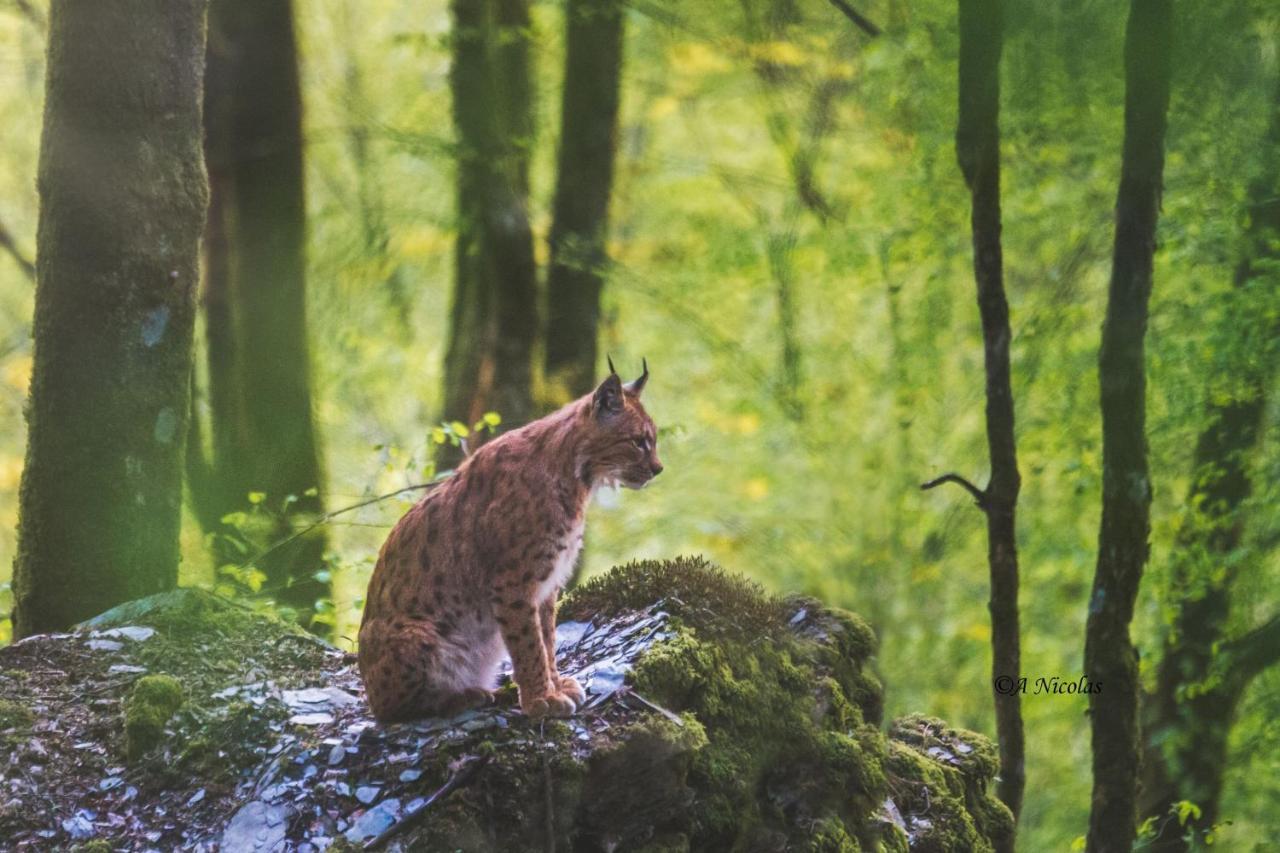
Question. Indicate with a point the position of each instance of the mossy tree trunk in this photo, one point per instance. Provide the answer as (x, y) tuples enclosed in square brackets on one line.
[(263, 431), (493, 320), (122, 200), (584, 182), (978, 152), (1202, 674), (1110, 658)]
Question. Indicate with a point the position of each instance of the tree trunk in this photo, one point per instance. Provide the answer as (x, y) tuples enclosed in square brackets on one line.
[(122, 200), (264, 436), (493, 320), (1188, 717), (1110, 660), (579, 228), (978, 152), (373, 218)]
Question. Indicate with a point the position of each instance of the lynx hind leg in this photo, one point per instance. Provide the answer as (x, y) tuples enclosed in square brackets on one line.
[(408, 673), (567, 685)]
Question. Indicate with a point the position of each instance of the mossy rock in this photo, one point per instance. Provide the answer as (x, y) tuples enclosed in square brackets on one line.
[(153, 702), (720, 718), (943, 778)]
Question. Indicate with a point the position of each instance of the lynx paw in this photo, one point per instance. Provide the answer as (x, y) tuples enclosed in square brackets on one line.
[(570, 687), (554, 704)]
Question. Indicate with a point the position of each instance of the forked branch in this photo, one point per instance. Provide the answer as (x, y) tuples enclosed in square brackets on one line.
[(979, 495)]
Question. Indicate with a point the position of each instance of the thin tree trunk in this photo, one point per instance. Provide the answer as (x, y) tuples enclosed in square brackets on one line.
[(373, 219), (515, 270), (1186, 730), (1110, 660), (266, 440), (493, 319), (978, 152), (584, 182), (122, 200)]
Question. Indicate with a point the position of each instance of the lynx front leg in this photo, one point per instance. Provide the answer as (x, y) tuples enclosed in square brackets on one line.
[(566, 684), (522, 632)]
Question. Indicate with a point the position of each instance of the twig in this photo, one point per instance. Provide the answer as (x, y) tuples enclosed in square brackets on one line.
[(329, 516), (7, 243), (465, 774), (653, 706), (979, 496), (857, 17)]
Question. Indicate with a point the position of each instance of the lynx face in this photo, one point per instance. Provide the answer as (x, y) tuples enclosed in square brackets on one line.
[(623, 445)]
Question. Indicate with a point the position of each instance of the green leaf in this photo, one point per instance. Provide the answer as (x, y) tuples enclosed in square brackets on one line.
[(256, 498), (459, 429), (492, 418)]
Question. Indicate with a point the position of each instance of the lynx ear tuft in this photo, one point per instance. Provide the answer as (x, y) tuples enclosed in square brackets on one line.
[(635, 386), (607, 399)]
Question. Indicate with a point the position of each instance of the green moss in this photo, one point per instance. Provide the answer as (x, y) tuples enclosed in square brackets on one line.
[(892, 840), (229, 738), (944, 775), (97, 845), (153, 701), (14, 715), (699, 593), (829, 836), (639, 787), (188, 617), (15, 722), (785, 747), (973, 754)]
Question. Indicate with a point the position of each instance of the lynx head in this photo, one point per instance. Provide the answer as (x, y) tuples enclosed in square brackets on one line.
[(622, 447)]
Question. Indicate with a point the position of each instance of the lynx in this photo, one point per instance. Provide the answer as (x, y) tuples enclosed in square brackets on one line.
[(477, 565)]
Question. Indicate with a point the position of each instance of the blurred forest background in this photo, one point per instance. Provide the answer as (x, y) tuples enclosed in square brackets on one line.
[(789, 246)]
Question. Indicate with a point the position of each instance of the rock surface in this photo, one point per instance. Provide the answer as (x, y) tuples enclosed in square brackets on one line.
[(717, 718)]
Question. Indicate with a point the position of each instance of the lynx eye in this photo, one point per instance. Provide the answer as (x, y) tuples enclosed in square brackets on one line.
[(640, 442)]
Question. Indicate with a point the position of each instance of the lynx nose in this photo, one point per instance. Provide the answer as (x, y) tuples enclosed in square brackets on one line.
[(657, 468)]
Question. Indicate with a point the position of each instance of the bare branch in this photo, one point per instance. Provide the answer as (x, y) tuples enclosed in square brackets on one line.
[(857, 17), (7, 243), (1251, 653), (979, 496)]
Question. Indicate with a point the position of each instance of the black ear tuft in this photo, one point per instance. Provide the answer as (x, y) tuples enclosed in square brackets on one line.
[(607, 399), (635, 386)]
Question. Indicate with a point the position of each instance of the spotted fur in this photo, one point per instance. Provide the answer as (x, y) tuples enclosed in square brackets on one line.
[(476, 566)]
